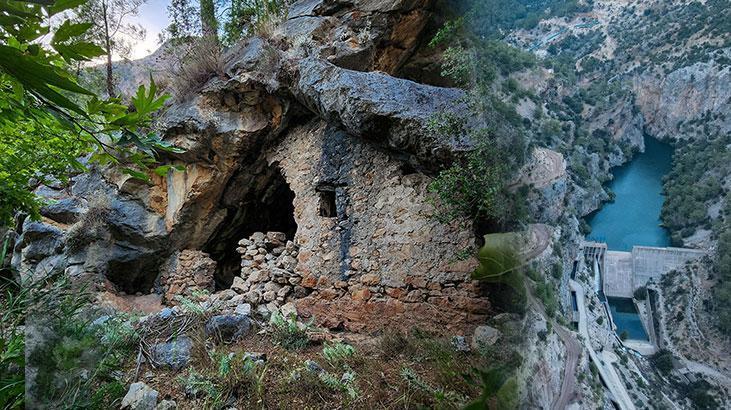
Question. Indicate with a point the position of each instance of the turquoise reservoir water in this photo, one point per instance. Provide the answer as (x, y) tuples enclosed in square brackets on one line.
[(626, 318), (634, 216)]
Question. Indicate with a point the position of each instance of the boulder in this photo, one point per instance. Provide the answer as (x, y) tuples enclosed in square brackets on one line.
[(484, 336), (167, 405), (390, 111), (66, 210), (140, 397), (174, 354), (228, 328)]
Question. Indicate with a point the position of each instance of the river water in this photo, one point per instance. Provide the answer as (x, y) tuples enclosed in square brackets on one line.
[(634, 219), (634, 216)]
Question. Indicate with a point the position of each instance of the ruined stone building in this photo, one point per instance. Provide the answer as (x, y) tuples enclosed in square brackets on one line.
[(310, 159)]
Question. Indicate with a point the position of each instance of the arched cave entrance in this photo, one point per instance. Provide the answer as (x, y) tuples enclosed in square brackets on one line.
[(256, 203)]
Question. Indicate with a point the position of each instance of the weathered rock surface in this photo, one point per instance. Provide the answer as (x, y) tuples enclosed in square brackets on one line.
[(140, 397), (687, 94), (228, 328), (174, 354), (484, 337)]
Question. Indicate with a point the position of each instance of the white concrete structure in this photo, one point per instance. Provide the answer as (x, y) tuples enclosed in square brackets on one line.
[(623, 272)]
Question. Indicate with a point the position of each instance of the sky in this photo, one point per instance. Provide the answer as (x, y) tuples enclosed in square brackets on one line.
[(153, 16)]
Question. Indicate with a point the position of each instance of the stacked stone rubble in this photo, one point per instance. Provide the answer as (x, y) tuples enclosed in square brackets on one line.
[(268, 274), (188, 272)]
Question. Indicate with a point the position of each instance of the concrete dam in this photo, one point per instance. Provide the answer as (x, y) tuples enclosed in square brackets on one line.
[(620, 273)]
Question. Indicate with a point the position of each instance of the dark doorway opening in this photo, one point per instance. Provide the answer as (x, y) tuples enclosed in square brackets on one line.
[(264, 204)]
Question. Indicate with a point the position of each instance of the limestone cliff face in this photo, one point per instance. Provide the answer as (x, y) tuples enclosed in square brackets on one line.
[(688, 94)]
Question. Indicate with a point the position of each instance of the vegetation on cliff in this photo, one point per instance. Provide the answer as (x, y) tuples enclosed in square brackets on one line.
[(48, 121)]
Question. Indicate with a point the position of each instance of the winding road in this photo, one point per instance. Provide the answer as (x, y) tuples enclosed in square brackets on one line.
[(568, 382)]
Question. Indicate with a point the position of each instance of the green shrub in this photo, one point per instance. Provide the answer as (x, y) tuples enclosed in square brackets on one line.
[(640, 293), (287, 332), (337, 353), (252, 17), (663, 361)]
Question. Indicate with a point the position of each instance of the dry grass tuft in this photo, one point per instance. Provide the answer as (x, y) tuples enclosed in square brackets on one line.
[(200, 62)]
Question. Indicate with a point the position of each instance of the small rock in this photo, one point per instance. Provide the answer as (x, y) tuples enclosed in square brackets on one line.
[(313, 366), (165, 313), (226, 294), (239, 285), (263, 312), (460, 344), (228, 328), (167, 405), (175, 354), (253, 297), (256, 357), (257, 237), (370, 279), (140, 397), (288, 310), (243, 309), (484, 336), (269, 296)]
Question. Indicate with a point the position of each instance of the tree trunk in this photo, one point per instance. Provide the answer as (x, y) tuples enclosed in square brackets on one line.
[(108, 44), (208, 20)]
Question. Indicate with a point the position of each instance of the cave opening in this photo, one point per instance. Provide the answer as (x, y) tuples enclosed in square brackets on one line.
[(266, 204)]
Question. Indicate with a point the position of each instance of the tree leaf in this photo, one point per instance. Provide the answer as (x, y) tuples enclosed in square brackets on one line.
[(68, 30), (63, 5), (136, 174)]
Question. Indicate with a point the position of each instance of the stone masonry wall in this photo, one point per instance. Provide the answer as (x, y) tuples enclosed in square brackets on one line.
[(378, 258), (187, 272)]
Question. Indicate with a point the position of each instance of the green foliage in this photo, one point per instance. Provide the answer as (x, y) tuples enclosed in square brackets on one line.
[(722, 268), (640, 293), (494, 18), (12, 346), (500, 255), (498, 387), (442, 398), (475, 187), (663, 361), (249, 17), (196, 385), (337, 353), (547, 294), (288, 333), (698, 168), (74, 361), (346, 383), (47, 120), (223, 377)]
